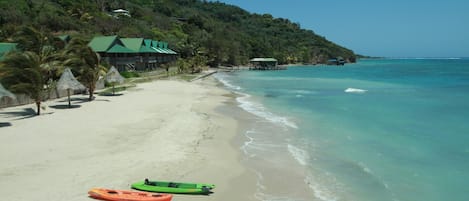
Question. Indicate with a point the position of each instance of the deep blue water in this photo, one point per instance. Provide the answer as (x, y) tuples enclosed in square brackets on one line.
[(391, 129)]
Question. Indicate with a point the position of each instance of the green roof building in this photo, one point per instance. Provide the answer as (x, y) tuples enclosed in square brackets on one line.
[(132, 53), (133, 43), (104, 43), (120, 49), (65, 38)]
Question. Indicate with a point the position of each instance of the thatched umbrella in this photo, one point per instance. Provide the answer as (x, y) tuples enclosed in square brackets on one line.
[(4, 92), (113, 76), (68, 82)]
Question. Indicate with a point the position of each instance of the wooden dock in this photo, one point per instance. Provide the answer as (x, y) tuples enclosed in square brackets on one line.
[(265, 64), (268, 68)]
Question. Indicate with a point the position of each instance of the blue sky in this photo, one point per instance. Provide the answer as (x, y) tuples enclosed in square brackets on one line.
[(390, 28)]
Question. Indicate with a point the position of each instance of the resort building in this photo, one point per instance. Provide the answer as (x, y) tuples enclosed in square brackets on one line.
[(121, 12), (128, 54), (265, 64), (65, 38), (339, 61)]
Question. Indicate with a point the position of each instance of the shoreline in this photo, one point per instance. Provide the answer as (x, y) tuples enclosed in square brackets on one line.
[(162, 130)]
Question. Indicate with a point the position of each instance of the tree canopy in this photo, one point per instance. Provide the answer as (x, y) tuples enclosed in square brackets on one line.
[(224, 34)]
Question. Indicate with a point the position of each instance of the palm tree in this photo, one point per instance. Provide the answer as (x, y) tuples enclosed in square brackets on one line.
[(85, 62), (30, 39), (32, 71), (22, 73), (46, 47)]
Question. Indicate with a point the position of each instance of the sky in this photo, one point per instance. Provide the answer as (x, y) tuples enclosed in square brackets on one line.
[(387, 28)]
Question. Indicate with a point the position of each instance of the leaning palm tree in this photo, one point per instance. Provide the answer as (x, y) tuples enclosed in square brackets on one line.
[(22, 73), (31, 39), (86, 62), (46, 47)]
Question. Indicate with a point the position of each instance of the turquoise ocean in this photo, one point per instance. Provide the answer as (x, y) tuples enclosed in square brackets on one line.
[(388, 129)]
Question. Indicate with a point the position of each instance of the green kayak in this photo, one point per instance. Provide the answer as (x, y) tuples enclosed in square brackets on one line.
[(173, 187)]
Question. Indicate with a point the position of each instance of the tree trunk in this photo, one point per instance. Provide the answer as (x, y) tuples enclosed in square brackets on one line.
[(90, 97), (91, 91), (38, 104), (69, 102)]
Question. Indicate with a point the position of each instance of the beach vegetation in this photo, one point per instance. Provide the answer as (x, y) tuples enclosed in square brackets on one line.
[(129, 74), (224, 34), (22, 73), (33, 69), (86, 63)]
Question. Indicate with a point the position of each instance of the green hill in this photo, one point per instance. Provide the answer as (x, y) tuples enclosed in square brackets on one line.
[(225, 34)]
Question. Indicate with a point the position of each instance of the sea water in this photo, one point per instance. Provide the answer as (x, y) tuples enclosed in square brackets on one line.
[(390, 129)]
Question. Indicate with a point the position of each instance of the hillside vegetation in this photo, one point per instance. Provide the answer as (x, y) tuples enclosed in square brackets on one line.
[(223, 34)]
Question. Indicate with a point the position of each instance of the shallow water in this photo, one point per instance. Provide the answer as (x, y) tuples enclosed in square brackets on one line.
[(374, 130)]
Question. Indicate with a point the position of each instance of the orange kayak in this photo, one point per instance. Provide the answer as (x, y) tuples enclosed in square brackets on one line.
[(124, 195)]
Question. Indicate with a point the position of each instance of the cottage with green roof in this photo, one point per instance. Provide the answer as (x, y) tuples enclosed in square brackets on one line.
[(65, 38), (101, 44), (132, 53)]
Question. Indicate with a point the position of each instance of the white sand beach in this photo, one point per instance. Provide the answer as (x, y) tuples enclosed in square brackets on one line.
[(162, 130)]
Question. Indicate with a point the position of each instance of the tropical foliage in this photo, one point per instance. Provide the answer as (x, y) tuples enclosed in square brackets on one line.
[(224, 34), (23, 74), (85, 62), (36, 67), (31, 70)]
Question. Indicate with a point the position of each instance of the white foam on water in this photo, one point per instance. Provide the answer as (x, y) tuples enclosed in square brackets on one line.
[(300, 155), (365, 168), (252, 146), (254, 108), (220, 77), (300, 91), (260, 111), (248, 143), (320, 191), (260, 178), (355, 90)]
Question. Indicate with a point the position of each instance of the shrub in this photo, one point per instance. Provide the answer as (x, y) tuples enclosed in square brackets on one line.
[(129, 74)]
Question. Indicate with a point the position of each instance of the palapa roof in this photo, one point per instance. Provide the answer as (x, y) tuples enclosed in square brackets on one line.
[(113, 75), (4, 92), (68, 81)]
